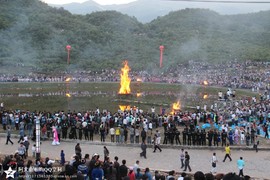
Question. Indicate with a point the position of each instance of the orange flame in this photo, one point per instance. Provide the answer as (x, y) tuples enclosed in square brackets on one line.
[(123, 108), (68, 79), (205, 96), (139, 94), (139, 80), (125, 80), (176, 106), (205, 83), (68, 95)]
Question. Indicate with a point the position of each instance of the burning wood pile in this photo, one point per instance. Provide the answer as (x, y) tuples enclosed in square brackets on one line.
[(125, 80)]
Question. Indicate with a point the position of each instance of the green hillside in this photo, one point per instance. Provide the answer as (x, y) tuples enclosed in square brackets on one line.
[(34, 36)]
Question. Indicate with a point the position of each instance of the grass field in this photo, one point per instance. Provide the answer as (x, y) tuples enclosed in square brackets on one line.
[(87, 96)]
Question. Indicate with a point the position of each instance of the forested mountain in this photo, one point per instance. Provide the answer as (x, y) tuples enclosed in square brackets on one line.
[(147, 10), (34, 36)]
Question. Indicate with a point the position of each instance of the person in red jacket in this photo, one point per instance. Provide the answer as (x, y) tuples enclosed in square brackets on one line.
[(131, 174)]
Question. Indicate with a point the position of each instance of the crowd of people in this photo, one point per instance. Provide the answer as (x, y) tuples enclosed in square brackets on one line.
[(240, 124), (93, 167), (246, 75), (235, 122)]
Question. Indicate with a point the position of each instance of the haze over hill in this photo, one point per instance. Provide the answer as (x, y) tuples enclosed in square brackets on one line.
[(34, 36), (147, 10)]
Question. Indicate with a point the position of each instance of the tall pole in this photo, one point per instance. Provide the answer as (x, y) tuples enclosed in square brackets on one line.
[(68, 47), (38, 152), (161, 49)]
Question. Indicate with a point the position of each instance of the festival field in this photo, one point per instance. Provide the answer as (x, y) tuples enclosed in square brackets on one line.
[(74, 96)]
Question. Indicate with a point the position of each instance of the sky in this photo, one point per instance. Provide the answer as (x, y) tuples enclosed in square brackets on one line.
[(102, 2)]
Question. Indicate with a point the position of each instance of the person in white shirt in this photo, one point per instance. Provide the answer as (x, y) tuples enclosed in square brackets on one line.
[(112, 133), (182, 158), (125, 122), (153, 110), (158, 137), (214, 163), (136, 166), (150, 126), (242, 137)]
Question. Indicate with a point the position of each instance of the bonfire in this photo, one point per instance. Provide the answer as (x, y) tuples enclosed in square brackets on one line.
[(125, 80), (176, 107), (124, 107)]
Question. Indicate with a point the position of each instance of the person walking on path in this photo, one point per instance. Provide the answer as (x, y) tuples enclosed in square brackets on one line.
[(227, 153), (143, 147), (106, 152), (21, 133), (156, 145), (182, 158), (214, 163), (8, 136), (187, 159), (240, 165)]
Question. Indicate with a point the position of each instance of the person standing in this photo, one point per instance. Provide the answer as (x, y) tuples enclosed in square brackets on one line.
[(125, 135), (117, 134), (189, 133), (136, 166), (256, 143), (148, 174), (121, 134), (21, 150), (184, 133), (116, 165), (64, 129), (80, 129), (223, 137), (137, 135), (248, 139), (90, 128), (214, 163), (131, 174), (102, 132), (8, 136), (177, 137), (62, 156), (97, 172), (123, 169), (182, 158), (241, 164), (187, 159), (112, 133), (227, 153), (131, 135), (78, 150), (166, 134), (143, 135), (143, 147)]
